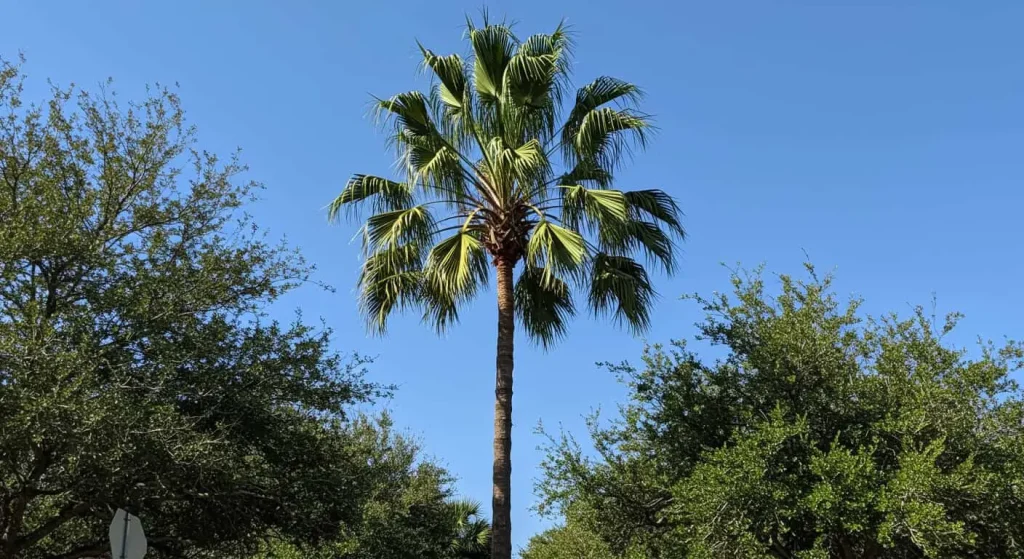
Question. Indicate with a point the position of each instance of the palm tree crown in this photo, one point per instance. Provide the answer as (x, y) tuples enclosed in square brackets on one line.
[(492, 173)]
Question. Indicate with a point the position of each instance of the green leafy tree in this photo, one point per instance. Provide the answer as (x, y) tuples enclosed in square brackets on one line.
[(137, 369), (819, 434), (570, 541), (497, 175), (410, 512)]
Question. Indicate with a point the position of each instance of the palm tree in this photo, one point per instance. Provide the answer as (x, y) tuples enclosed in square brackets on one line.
[(492, 176), (472, 533)]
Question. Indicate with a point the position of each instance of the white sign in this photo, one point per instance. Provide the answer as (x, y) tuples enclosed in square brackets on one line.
[(127, 540)]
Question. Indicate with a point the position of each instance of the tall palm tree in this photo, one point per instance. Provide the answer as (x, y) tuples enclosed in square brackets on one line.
[(493, 176)]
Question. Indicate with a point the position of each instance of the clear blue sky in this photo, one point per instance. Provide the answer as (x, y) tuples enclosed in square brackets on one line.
[(884, 138)]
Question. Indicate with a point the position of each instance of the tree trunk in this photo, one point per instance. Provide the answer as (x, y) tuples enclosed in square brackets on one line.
[(501, 504)]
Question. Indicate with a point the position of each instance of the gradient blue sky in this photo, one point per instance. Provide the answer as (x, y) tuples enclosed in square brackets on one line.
[(884, 138)]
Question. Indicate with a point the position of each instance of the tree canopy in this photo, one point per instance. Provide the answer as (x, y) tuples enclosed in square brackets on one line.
[(410, 513), (139, 370), (820, 433)]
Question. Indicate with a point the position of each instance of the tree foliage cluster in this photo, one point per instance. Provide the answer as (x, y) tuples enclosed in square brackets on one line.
[(820, 433), (138, 369)]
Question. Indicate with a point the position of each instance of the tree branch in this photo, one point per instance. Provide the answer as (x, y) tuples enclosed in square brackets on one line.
[(67, 513), (15, 512)]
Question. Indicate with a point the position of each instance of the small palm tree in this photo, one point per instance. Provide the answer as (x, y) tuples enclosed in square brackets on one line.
[(493, 176), (472, 532)]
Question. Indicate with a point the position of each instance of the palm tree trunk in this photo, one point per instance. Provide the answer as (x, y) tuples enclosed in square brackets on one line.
[(501, 505)]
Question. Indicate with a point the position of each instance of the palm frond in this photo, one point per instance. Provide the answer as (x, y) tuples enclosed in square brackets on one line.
[(632, 236), (544, 306), (391, 278), (592, 96), (464, 510), (411, 113), (450, 72), (493, 47), (435, 166), (529, 78), (430, 160), (559, 43), (557, 251), (413, 225), (382, 194), (524, 166), (592, 208), (529, 106), (450, 96), (658, 205), (472, 532), (455, 270), (606, 134), (529, 161), (621, 287), (587, 172), (535, 80)]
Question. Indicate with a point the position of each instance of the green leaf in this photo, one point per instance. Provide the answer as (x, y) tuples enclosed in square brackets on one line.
[(385, 195), (430, 161), (530, 96), (630, 236), (599, 92), (587, 172), (400, 227), (543, 305), (558, 251), (658, 205), (523, 166), (595, 208), (533, 85), (436, 167), (606, 134), (620, 286), (450, 71), (559, 44), (391, 278), (411, 112), (456, 268), (529, 78), (589, 98), (493, 47)]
